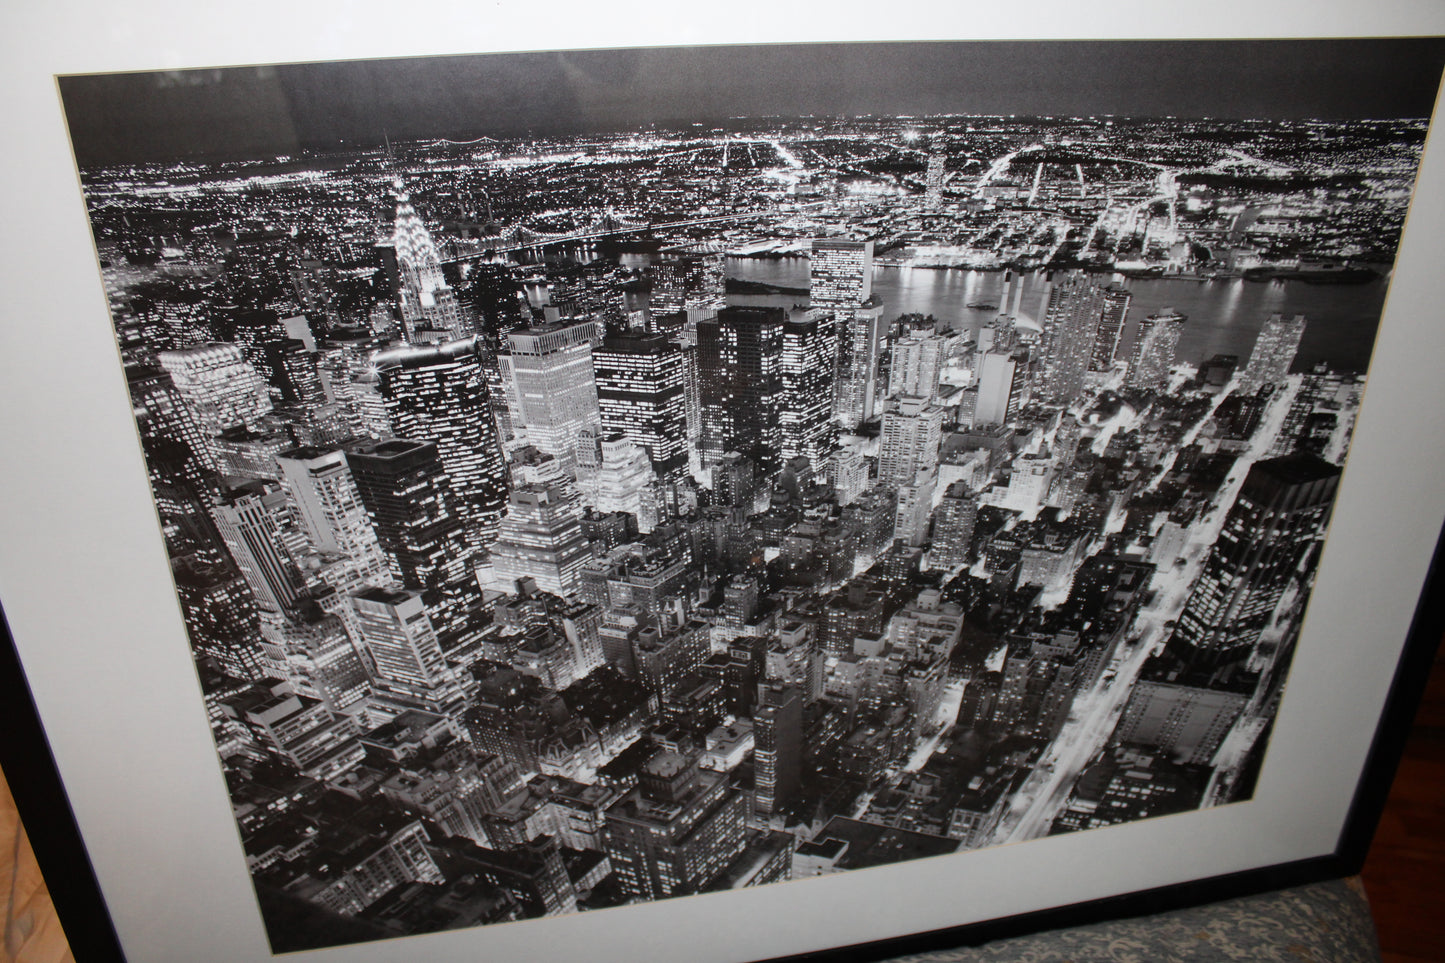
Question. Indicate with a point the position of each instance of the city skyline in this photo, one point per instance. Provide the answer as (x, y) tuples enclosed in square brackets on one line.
[(287, 108), (580, 519)]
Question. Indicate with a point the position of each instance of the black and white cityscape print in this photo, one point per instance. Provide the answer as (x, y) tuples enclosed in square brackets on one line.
[(595, 478)]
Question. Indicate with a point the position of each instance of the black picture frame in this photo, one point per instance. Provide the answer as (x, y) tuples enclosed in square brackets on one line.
[(61, 843)]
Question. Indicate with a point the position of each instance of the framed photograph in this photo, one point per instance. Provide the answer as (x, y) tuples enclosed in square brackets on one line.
[(722, 489)]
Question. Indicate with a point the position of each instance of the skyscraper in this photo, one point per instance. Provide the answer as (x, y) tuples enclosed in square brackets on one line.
[(1277, 518), (409, 501), (840, 284), (411, 671), (218, 387), (778, 742), (1071, 323), (805, 412), (916, 361), (429, 307), (859, 333), (551, 388), (641, 394), (439, 394), (250, 534), (1001, 388), (741, 357), (840, 273), (625, 482), (1110, 327), (953, 524), (324, 499), (1273, 353), (541, 539), (1154, 347), (912, 431)]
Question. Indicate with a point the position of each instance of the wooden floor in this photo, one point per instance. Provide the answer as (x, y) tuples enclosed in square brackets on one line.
[(1405, 872)]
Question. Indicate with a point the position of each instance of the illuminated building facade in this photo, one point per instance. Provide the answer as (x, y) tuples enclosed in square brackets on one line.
[(1154, 347), (641, 394), (1274, 351), (541, 539), (778, 747), (411, 671), (1111, 326), (324, 499), (805, 425), (551, 389), (218, 387), (409, 501), (1071, 323), (439, 394), (677, 831), (429, 307), (245, 519), (1278, 517)]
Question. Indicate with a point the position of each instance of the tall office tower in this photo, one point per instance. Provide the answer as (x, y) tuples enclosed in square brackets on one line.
[(1110, 327), (249, 531), (933, 178), (343, 359), (541, 539), (411, 671), (324, 499), (1273, 353), (178, 457), (714, 393), (641, 394), (805, 421), (840, 273), (220, 614), (316, 655), (625, 482), (912, 431), (750, 378), (1001, 388), (692, 392), (848, 474), (429, 307), (1154, 347), (439, 394), (409, 501), (916, 361), (859, 333), (953, 523), (218, 388), (914, 507), (1070, 324), (551, 388), (676, 831), (840, 280), (1276, 519), (778, 747), (161, 413), (294, 372)]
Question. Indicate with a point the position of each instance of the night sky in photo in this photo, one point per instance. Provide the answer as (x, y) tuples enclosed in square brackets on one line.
[(242, 112)]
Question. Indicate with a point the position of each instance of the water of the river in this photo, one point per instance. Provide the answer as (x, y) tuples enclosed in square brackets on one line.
[(1223, 316)]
